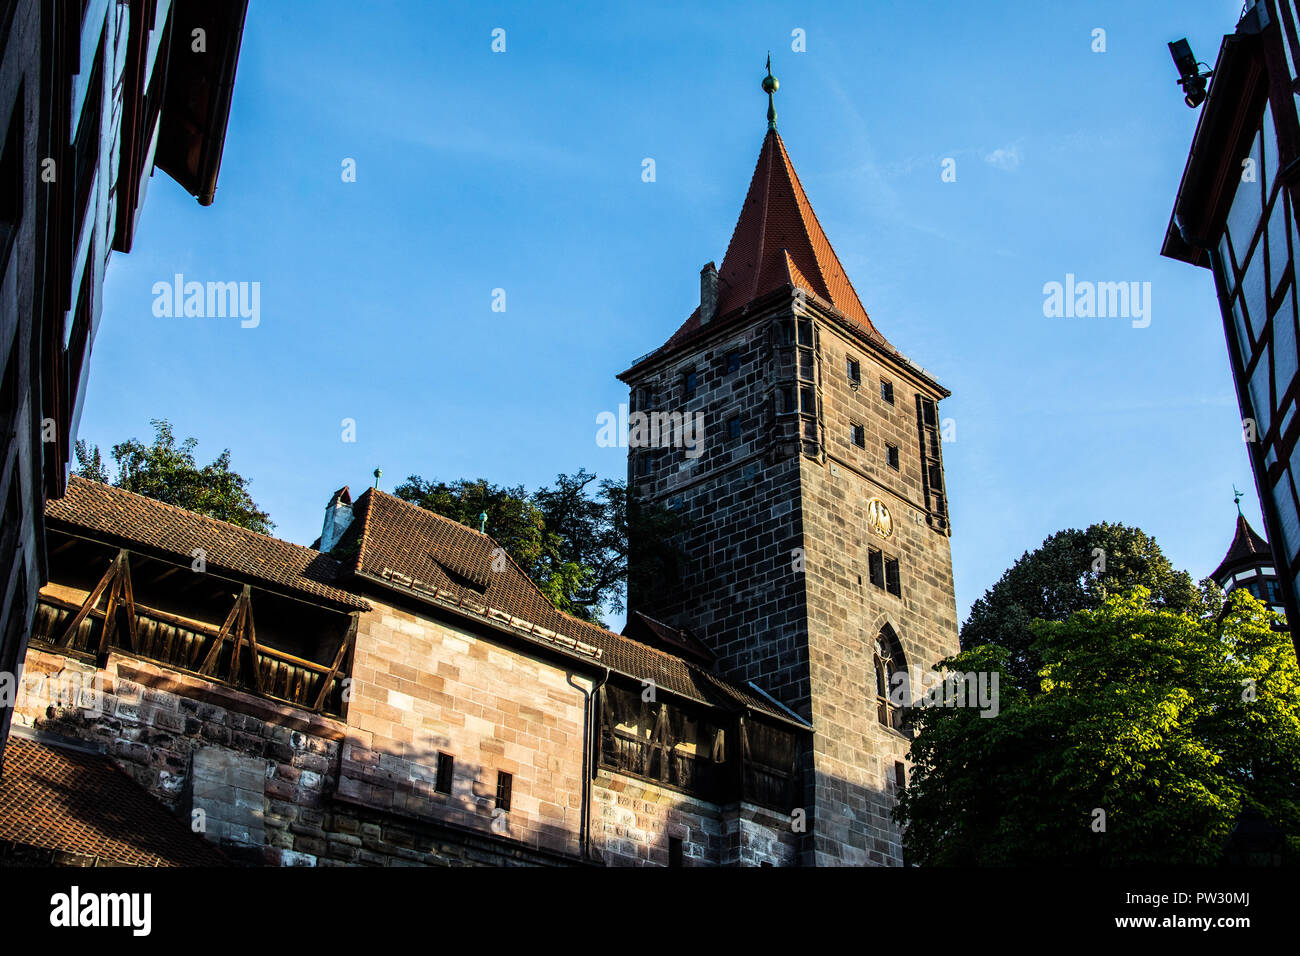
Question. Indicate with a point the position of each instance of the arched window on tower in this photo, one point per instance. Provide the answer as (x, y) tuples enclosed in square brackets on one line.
[(892, 692)]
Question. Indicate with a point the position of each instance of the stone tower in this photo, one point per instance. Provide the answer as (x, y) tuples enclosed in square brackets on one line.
[(803, 452)]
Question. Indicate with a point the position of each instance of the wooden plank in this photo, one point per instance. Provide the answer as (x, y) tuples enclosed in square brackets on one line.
[(110, 610), (63, 547), (252, 642), (128, 602), (166, 574), (91, 600), (241, 625), (344, 646), (210, 659)]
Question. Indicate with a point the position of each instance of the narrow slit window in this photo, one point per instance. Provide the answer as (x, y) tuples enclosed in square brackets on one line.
[(733, 427), (858, 434), (787, 401), (446, 767), (887, 392), (855, 372), (505, 783), (891, 456), (674, 852), (892, 582)]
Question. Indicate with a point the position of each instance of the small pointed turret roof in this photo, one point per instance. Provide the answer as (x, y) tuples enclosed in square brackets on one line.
[(1248, 549)]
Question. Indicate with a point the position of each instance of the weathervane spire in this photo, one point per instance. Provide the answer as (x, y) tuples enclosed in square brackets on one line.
[(1236, 496), (770, 85)]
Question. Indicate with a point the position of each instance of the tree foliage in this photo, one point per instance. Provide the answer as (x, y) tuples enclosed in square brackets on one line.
[(168, 472), (1171, 723), (572, 538), (1074, 571)]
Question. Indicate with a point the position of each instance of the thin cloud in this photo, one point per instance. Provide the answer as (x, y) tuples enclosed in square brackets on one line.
[(1006, 158)]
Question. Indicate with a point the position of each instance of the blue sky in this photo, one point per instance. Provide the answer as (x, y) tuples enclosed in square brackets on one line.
[(522, 171)]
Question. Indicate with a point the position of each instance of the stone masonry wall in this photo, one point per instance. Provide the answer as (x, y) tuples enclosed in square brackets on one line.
[(854, 754), (635, 819), (422, 687), (265, 775), (740, 500)]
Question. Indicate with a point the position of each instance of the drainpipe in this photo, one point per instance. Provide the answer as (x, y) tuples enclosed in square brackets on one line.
[(590, 741)]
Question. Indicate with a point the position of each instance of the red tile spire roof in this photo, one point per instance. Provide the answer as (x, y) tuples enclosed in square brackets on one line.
[(779, 243), (778, 234)]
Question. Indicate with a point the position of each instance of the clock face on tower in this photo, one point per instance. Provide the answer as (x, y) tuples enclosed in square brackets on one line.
[(879, 520)]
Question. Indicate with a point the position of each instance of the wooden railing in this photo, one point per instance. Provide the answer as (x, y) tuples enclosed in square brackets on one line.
[(630, 754), (196, 648)]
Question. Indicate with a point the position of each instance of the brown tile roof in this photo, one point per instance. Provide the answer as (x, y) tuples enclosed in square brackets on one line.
[(675, 640), (134, 520), (1247, 549), (81, 803), (414, 548)]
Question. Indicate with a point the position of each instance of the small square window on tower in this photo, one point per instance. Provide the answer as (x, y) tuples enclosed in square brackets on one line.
[(505, 783), (858, 434), (808, 400), (733, 427), (689, 381), (887, 391), (876, 567), (892, 583), (446, 767), (891, 456)]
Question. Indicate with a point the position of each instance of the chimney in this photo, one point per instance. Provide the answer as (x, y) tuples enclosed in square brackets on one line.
[(338, 515), (708, 293)]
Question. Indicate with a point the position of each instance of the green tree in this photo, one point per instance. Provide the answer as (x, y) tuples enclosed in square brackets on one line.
[(572, 538), (168, 472), (1171, 723), (1073, 571)]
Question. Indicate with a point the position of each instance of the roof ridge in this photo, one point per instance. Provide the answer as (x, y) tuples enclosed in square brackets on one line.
[(157, 503), (792, 270), (801, 199), (411, 504), (762, 216), (835, 256), (461, 526)]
